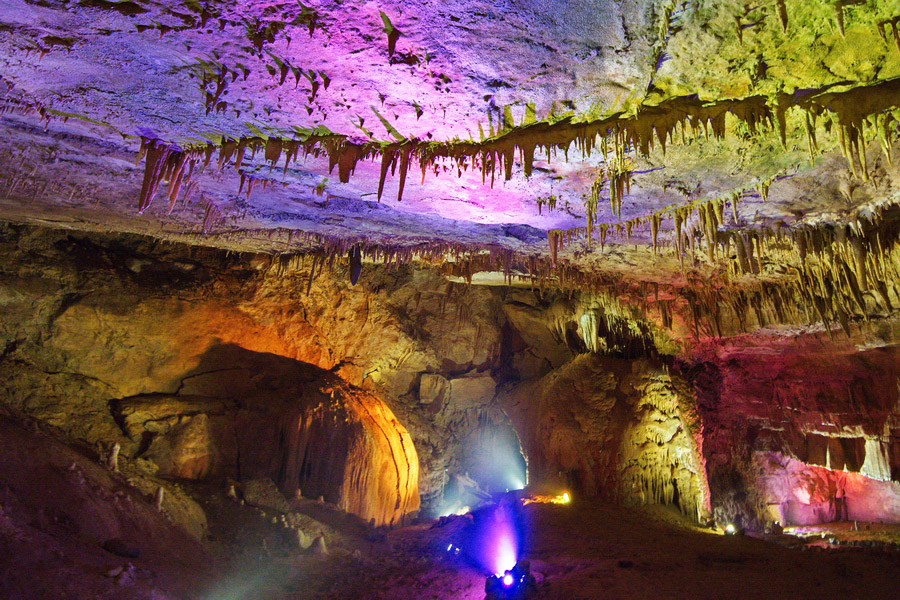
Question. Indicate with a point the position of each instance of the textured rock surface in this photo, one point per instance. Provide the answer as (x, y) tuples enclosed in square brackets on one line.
[(683, 217), (739, 96), (787, 422), (185, 401), (615, 428), (455, 69), (193, 404), (484, 380), (58, 506), (218, 390)]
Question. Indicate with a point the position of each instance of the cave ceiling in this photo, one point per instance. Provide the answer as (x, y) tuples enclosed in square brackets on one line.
[(573, 142)]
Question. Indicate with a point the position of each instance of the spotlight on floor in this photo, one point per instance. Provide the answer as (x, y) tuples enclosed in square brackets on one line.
[(516, 584), (563, 498)]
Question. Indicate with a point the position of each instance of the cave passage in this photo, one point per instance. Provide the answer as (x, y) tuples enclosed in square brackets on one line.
[(451, 300)]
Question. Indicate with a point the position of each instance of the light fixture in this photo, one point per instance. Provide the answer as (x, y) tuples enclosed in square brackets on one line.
[(515, 584)]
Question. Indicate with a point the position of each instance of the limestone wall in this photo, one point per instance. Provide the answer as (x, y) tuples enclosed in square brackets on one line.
[(791, 424), (205, 364)]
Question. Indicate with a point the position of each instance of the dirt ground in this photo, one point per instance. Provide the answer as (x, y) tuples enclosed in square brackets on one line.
[(591, 551)]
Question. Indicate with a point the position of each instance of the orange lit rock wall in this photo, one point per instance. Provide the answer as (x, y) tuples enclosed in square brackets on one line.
[(249, 415), (309, 430), (93, 322)]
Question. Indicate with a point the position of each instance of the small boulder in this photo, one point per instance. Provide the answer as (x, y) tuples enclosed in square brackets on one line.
[(263, 493), (304, 540)]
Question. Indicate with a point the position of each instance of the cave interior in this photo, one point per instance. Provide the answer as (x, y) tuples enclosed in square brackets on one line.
[(325, 299)]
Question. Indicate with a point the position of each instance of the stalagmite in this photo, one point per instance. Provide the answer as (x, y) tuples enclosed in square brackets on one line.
[(112, 457), (877, 463)]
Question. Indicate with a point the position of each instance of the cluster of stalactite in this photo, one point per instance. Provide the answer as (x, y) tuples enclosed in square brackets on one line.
[(214, 77), (857, 112), (745, 21), (833, 274), (609, 327), (841, 274), (617, 173), (684, 239), (454, 259), (11, 103), (838, 273), (891, 24), (258, 31), (839, 11), (781, 12), (861, 114)]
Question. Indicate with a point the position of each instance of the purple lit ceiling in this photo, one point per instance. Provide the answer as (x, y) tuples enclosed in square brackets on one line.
[(96, 76)]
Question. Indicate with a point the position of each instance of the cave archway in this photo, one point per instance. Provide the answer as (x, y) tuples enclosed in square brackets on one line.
[(301, 426)]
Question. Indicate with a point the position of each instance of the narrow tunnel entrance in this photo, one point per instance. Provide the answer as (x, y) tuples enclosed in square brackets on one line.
[(491, 463)]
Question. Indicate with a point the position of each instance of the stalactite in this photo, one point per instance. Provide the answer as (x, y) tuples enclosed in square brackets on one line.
[(209, 218), (589, 328), (839, 15), (654, 230), (763, 189), (355, 264), (639, 131), (892, 23), (553, 237)]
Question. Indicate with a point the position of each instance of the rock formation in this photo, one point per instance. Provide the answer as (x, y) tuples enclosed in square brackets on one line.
[(387, 261)]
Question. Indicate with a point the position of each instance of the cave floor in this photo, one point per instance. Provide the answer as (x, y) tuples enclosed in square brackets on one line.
[(593, 550), (55, 499)]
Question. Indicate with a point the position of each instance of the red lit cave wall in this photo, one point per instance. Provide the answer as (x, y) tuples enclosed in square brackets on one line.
[(800, 431)]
